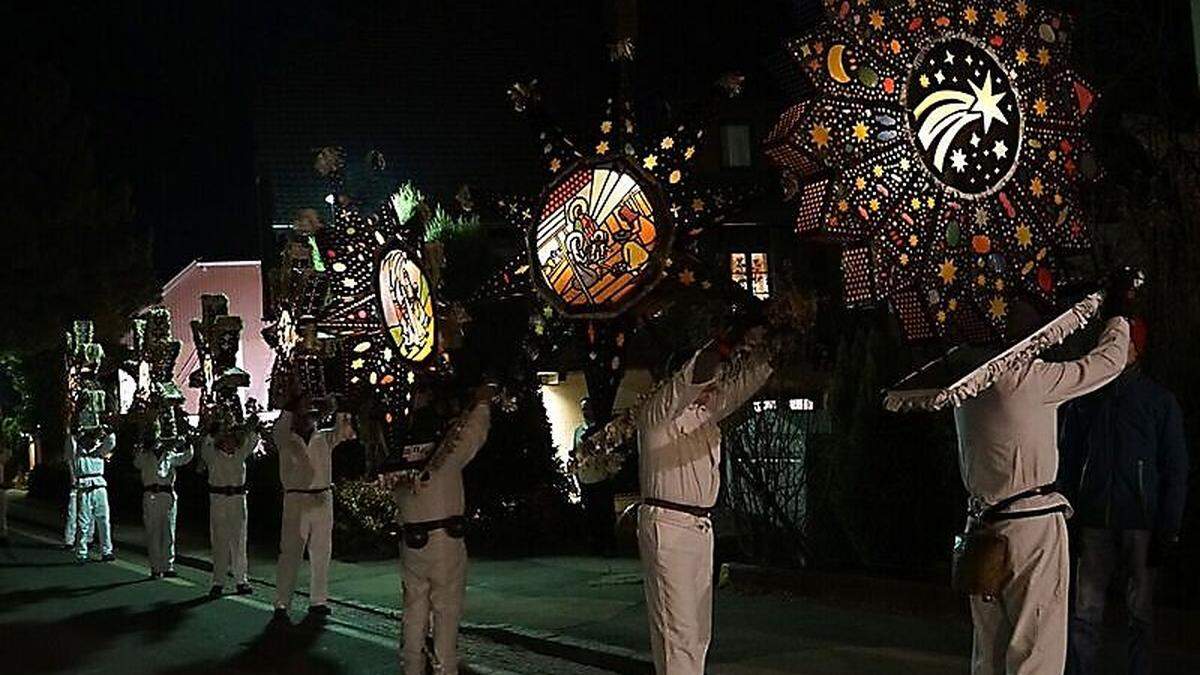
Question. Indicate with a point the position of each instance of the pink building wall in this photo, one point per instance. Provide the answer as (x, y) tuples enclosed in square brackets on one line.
[(241, 282)]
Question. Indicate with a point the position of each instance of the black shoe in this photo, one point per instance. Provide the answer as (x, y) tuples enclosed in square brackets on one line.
[(244, 589), (280, 614), (108, 557), (81, 561), (320, 610), (170, 574), (215, 592), (155, 575)]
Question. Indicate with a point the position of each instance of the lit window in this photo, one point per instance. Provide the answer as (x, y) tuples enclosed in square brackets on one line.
[(760, 284), (801, 404), (763, 406), (735, 145), (751, 272)]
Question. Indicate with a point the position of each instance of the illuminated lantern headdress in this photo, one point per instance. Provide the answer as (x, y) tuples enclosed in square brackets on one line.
[(217, 337), (158, 401), (356, 292), (620, 214), (943, 146), (86, 399)]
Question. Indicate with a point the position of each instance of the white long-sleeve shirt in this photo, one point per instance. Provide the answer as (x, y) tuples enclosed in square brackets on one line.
[(442, 496), (160, 470), (227, 469), (87, 461), (1008, 435), (308, 465), (679, 439)]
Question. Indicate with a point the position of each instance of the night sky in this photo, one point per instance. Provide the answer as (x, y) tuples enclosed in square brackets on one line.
[(177, 90), (181, 94)]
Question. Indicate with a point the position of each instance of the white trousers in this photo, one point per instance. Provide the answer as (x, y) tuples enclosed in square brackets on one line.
[(677, 559), (227, 532), (1024, 632), (72, 518), (435, 582), (158, 517), (307, 522), (91, 510)]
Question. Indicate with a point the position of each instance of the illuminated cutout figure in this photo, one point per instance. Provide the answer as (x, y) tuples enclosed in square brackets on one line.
[(407, 304), (596, 241)]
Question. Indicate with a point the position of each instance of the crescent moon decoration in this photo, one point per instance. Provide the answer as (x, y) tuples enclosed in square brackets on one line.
[(837, 69), (949, 167)]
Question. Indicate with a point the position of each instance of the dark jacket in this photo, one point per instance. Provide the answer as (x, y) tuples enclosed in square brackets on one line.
[(1124, 460)]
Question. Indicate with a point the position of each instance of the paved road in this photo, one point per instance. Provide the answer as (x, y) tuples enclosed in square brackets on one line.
[(59, 617)]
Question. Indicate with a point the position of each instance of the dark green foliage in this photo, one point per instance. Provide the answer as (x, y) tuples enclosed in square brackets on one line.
[(884, 490), (70, 248), (363, 516)]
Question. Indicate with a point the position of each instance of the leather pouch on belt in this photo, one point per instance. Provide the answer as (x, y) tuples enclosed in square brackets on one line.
[(981, 565)]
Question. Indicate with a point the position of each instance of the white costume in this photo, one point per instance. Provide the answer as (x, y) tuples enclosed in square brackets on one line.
[(679, 446), (158, 503), (305, 470), (91, 492), (435, 574), (1007, 445), (69, 531), (227, 507)]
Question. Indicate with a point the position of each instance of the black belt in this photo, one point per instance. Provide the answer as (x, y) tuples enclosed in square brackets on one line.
[(227, 490), (697, 511), (158, 488), (416, 535), (1017, 515), (89, 488), (89, 475), (312, 491), (994, 513)]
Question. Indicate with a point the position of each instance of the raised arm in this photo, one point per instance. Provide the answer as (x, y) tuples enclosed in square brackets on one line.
[(342, 431), (672, 396), (1070, 379), (183, 456), (738, 383), (250, 441), (281, 429), (470, 435)]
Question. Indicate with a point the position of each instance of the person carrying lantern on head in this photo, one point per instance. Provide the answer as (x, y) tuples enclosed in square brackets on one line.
[(426, 480), (87, 451), (1008, 454), (679, 451), (225, 450), (306, 473), (157, 459)]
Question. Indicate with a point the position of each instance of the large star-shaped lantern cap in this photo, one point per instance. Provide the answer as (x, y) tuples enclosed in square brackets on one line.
[(358, 289), (944, 148), (617, 208)]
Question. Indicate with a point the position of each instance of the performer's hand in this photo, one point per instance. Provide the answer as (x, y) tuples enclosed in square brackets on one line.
[(1120, 294)]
